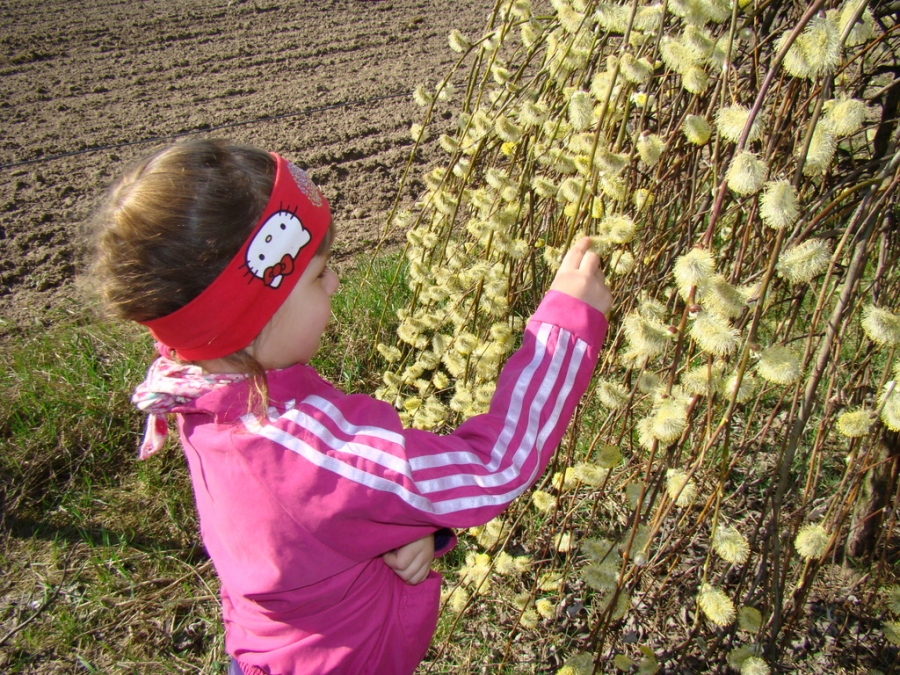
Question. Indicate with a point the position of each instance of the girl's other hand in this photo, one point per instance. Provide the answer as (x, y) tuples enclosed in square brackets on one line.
[(580, 276), (413, 561)]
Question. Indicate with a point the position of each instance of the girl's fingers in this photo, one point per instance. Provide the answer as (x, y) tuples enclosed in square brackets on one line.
[(590, 262), (576, 253), (581, 257)]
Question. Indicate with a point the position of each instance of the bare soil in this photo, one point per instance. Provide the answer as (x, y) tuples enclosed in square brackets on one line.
[(89, 86)]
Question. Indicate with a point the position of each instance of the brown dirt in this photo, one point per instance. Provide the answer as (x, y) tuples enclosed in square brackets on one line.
[(89, 86)]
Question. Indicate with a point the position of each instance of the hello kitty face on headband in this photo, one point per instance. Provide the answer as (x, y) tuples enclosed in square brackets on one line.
[(271, 253)]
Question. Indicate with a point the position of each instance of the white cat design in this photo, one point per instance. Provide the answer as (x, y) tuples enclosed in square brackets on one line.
[(271, 254)]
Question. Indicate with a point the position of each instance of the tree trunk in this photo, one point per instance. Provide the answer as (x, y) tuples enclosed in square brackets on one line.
[(874, 496)]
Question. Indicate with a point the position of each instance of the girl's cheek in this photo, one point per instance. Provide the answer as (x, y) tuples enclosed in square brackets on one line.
[(332, 282)]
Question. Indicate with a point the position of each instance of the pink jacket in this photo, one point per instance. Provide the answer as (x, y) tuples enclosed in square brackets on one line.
[(297, 512)]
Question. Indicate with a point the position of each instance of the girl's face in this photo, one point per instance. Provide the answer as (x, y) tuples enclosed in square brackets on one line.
[(292, 334)]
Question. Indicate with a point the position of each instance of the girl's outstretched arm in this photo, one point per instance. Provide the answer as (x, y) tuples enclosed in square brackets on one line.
[(344, 468)]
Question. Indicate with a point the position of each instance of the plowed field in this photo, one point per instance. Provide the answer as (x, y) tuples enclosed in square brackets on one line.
[(87, 86)]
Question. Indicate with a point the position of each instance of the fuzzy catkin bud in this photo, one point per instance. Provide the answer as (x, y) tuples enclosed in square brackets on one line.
[(570, 189), (649, 17), (650, 147), (449, 144), (822, 146), (855, 423), (532, 114), (611, 394), (612, 17), (891, 630), (731, 120), (754, 665), (506, 130), (778, 205), (676, 55), (746, 174), (458, 42), (716, 605), (617, 228), (811, 541), (881, 326), (500, 74), (645, 336), (863, 30), (721, 298), (696, 129), (636, 71), (668, 422), (680, 488), (714, 335), (892, 598), (800, 263), (737, 656), (610, 456), (817, 50), (846, 116), (695, 80), (890, 408), (702, 380), (749, 619), (642, 199), (779, 365), (422, 96), (694, 268), (731, 545), (581, 112), (543, 186)]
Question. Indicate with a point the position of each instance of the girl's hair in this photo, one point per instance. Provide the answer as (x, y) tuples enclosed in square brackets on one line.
[(172, 223)]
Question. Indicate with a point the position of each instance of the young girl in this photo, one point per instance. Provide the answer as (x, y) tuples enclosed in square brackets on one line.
[(318, 509)]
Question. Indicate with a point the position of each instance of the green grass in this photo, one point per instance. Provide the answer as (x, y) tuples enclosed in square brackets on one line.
[(103, 567), (360, 316)]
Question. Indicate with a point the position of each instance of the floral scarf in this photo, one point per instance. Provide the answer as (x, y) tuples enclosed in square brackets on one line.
[(170, 384)]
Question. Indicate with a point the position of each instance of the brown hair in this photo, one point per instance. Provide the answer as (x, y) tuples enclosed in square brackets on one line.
[(171, 224)]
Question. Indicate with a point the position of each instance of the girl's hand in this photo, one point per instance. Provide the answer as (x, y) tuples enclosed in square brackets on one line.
[(413, 561), (580, 276)]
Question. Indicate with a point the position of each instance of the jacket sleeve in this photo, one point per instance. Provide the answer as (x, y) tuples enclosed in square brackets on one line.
[(355, 468)]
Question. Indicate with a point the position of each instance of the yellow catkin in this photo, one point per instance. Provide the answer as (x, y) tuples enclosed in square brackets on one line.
[(731, 545), (714, 334), (749, 619), (881, 326), (731, 120), (812, 541), (754, 665), (855, 423), (696, 129), (746, 174), (800, 263), (694, 268), (716, 605), (846, 116), (891, 630), (779, 365), (778, 204)]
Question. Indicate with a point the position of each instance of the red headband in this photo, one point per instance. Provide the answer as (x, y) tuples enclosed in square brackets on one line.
[(229, 314)]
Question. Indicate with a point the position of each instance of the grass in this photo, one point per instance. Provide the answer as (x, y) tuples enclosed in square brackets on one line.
[(103, 567), (104, 571)]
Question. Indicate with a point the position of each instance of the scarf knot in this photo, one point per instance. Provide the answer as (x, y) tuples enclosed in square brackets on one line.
[(169, 385)]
